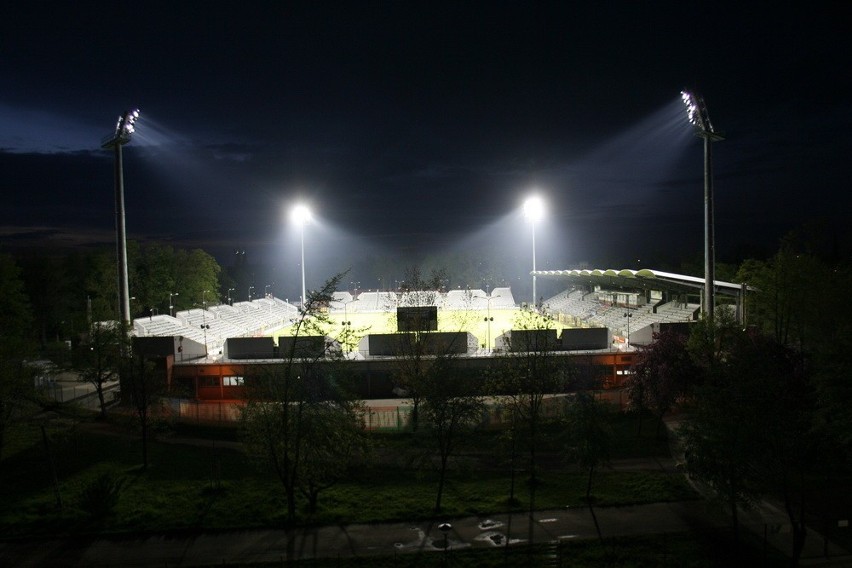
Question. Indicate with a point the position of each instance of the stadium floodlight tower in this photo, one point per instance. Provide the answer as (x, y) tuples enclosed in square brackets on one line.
[(125, 126), (698, 116), (533, 211), (301, 216)]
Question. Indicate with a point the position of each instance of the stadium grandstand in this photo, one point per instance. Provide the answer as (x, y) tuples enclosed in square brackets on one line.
[(597, 321), (631, 304), (634, 303), (212, 326)]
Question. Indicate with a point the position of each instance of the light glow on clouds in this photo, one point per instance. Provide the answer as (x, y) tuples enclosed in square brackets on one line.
[(32, 131)]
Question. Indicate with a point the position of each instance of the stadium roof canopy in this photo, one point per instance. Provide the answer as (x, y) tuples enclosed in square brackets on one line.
[(631, 279)]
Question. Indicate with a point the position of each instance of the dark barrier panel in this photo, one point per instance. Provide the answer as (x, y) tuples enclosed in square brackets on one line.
[(250, 348), (581, 339)]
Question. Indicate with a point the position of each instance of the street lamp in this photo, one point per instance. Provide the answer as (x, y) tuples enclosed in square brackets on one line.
[(628, 314), (171, 303), (123, 129), (301, 215), (446, 528), (533, 211), (698, 116), (204, 325), (347, 326), (230, 301), (250, 291), (346, 312)]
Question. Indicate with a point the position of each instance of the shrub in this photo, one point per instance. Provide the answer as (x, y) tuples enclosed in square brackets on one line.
[(100, 496)]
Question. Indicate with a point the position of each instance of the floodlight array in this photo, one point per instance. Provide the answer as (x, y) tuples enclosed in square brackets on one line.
[(300, 215), (124, 127), (696, 112), (534, 208)]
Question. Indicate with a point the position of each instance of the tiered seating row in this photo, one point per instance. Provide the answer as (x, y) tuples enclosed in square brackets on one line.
[(477, 299), (595, 312), (217, 323)]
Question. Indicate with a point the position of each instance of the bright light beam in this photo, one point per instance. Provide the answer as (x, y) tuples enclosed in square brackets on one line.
[(533, 211), (301, 216)]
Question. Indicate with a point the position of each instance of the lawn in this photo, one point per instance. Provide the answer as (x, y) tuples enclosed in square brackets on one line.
[(472, 321), (189, 486)]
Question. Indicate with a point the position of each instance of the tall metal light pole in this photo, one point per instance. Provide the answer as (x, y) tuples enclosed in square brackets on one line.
[(628, 314), (204, 325), (301, 215), (533, 211), (123, 129), (698, 116)]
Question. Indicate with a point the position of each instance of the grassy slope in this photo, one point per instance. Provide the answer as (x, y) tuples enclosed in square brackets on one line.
[(190, 486)]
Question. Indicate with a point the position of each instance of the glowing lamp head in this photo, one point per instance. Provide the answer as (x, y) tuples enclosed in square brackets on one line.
[(534, 208), (300, 215), (126, 125), (696, 111)]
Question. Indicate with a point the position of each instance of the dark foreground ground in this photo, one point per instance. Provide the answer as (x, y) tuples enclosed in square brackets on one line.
[(342, 543)]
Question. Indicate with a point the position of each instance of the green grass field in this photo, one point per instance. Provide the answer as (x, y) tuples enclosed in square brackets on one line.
[(473, 321)]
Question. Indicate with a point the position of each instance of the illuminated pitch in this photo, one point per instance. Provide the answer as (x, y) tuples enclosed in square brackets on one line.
[(472, 321)]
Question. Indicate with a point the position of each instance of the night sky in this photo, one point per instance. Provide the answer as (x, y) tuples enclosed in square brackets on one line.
[(418, 128)]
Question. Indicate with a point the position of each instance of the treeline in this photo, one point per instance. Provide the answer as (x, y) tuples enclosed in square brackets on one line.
[(63, 294), (765, 410)]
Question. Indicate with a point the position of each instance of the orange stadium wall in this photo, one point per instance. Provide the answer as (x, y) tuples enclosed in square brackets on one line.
[(372, 379)]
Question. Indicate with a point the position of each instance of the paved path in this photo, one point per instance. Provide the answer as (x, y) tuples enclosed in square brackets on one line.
[(247, 546)]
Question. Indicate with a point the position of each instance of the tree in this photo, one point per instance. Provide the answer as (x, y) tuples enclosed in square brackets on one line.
[(795, 301), (664, 373), (452, 406), (155, 271), (98, 360), (197, 277), (16, 378), (796, 304), (334, 443), (415, 360), (589, 440), (50, 285), (526, 375), (792, 451), (751, 431), (715, 438), (145, 382), (299, 420)]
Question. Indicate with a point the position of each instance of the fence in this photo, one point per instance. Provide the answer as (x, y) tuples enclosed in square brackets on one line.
[(396, 418), (196, 412), (82, 394)]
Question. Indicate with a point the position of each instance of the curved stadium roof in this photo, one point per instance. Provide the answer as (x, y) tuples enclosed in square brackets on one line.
[(645, 278)]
